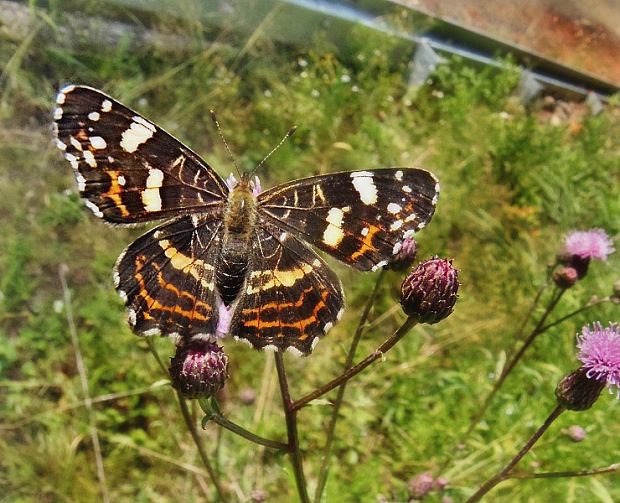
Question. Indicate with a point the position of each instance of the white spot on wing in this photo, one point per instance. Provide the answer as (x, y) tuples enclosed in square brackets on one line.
[(406, 188), (398, 175), (379, 265), (72, 159), (333, 232), (94, 208), (90, 159), (293, 350), (106, 106), (131, 317), (397, 224), (58, 113), (121, 180), (60, 98), (314, 342), (393, 208), (365, 186), (94, 116), (328, 326), (81, 181), (61, 145), (151, 332), (98, 142), (150, 196), (122, 295), (397, 248), (76, 144), (364, 231), (138, 133)]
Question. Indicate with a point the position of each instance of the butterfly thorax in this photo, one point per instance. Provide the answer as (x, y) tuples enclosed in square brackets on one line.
[(239, 221)]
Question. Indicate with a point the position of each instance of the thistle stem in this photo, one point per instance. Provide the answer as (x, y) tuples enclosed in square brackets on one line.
[(557, 475), (331, 429), (574, 313), (201, 451), (190, 425), (291, 427), (503, 474), (242, 432), (353, 371)]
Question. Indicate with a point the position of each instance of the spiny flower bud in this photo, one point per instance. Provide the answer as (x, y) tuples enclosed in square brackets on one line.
[(404, 255), (430, 291), (577, 391), (199, 369), (565, 277)]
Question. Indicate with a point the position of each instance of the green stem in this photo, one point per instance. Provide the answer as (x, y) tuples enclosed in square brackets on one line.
[(353, 371), (201, 451), (574, 313), (323, 473), (291, 427), (252, 437), (190, 425), (568, 474), (503, 474)]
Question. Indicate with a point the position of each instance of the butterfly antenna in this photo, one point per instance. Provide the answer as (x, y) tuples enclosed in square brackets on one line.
[(219, 130), (286, 137)]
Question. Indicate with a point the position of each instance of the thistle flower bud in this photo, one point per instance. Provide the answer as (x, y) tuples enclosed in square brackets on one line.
[(576, 433), (199, 369), (430, 291), (575, 262), (421, 485), (404, 255), (577, 391), (565, 277)]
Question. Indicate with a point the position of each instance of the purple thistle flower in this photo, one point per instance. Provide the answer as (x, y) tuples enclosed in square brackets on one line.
[(592, 244), (599, 352), (199, 369)]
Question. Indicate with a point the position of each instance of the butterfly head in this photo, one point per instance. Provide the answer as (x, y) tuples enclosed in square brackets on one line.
[(247, 179)]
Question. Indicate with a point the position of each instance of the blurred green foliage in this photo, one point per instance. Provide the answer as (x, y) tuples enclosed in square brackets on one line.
[(512, 185)]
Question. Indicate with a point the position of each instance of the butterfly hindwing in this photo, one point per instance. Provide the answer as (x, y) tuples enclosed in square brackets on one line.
[(359, 217), (166, 278), (291, 296), (129, 170)]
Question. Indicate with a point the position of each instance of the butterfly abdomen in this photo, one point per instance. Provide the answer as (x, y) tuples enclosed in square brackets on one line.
[(239, 222)]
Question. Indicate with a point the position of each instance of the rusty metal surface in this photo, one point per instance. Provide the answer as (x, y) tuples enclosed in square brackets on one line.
[(581, 34)]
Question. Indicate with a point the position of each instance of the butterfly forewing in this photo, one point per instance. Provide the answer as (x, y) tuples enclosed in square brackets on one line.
[(166, 278), (129, 170), (291, 296), (358, 217)]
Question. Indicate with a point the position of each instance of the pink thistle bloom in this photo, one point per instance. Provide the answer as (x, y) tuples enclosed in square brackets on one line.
[(592, 244), (599, 352)]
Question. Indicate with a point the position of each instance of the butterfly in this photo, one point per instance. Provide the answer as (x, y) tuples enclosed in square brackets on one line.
[(228, 257)]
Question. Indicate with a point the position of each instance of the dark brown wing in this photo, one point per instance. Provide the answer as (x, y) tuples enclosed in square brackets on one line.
[(291, 296), (358, 217), (166, 278), (129, 170)]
